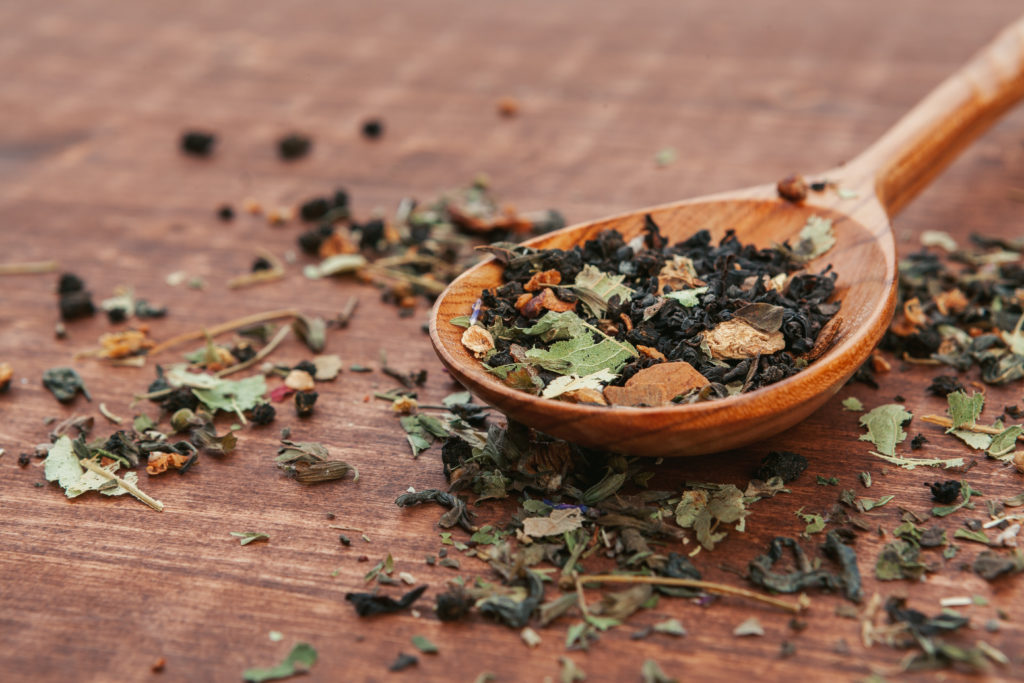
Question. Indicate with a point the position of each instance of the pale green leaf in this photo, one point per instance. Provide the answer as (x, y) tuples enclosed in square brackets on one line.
[(815, 523), (553, 326), (672, 627), (853, 404), (1005, 442), (911, 463), (815, 238), (596, 288), (885, 427), (938, 238), (233, 396), (62, 465), (976, 536), (975, 440), (247, 537), (583, 356), (866, 504), (299, 660), (424, 645), (687, 297), (964, 409)]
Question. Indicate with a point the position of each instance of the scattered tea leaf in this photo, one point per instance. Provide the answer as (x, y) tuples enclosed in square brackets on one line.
[(963, 409), (687, 297), (247, 537), (976, 536), (885, 427), (750, 627), (370, 604), (596, 289), (672, 627), (650, 672), (302, 657), (424, 645), (64, 384), (852, 403)]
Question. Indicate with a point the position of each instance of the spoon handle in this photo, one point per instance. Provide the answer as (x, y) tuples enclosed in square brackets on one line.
[(922, 143)]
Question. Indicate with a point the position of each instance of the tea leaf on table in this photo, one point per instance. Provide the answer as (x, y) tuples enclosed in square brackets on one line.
[(898, 560), (816, 237), (553, 326), (650, 672), (815, 523), (885, 427), (853, 404), (247, 537), (233, 396), (422, 644), (976, 536), (1005, 442), (302, 657), (963, 409), (867, 504)]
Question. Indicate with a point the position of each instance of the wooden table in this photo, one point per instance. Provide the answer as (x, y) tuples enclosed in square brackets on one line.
[(94, 100)]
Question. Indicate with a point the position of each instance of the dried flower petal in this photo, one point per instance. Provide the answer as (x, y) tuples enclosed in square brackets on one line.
[(477, 340), (299, 380), (547, 277)]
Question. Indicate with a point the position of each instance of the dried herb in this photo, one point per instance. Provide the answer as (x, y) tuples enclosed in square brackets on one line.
[(198, 143), (650, 672), (633, 306), (806, 575), (247, 537), (305, 402), (457, 514), (990, 565), (510, 611), (64, 384), (884, 426), (899, 560), (300, 660), (783, 464), (403, 661), (945, 491), (294, 146), (308, 462), (965, 492), (371, 604), (750, 627), (424, 645)]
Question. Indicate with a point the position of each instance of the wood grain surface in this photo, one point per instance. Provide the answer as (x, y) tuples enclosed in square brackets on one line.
[(94, 97)]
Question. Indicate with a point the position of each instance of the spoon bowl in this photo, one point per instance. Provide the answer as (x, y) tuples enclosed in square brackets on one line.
[(860, 198)]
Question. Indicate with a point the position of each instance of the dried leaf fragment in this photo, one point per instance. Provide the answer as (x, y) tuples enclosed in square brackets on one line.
[(736, 340), (558, 522), (478, 340), (657, 385)]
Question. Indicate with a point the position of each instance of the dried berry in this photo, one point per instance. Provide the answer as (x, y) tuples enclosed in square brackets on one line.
[(945, 492), (314, 209), (305, 366), (793, 188), (304, 402), (373, 128), (117, 314), (226, 213), (294, 146), (944, 385), (263, 414), (69, 282), (261, 264), (75, 305), (198, 143)]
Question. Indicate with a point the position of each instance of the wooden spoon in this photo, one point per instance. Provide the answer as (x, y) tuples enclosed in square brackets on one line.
[(876, 185)]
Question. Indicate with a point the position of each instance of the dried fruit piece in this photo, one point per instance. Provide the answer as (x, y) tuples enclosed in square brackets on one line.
[(477, 340), (736, 339), (547, 277), (657, 385), (299, 380)]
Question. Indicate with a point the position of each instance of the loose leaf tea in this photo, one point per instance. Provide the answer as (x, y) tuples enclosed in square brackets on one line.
[(64, 384), (576, 324), (302, 657), (370, 604)]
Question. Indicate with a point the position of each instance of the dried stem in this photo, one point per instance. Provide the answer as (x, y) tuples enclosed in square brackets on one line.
[(228, 326), (28, 268), (263, 353), (275, 272), (127, 486), (707, 586), (431, 285), (581, 598), (943, 421)]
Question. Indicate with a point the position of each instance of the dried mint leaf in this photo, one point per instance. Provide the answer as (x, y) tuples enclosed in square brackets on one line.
[(302, 657), (885, 427), (806, 575), (553, 326), (650, 672), (247, 537), (233, 396), (583, 356), (990, 565), (457, 514), (64, 383), (1005, 442), (511, 612), (853, 404), (963, 409), (898, 560), (567, 383), (816, 237), (687, 297)]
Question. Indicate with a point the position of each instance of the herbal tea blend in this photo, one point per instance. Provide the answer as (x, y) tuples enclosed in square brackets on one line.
[(648, 324)]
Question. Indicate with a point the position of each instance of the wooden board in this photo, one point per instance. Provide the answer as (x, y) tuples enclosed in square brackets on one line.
[(94, 101)]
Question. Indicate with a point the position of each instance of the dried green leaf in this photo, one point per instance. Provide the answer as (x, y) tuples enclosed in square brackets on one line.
[(233, 396), (866, 504), (64, 384), (302, 657), (976, 536), (965, 501), (571, 673), (816, 238), (650, 672), (583, 356), (596, 288), (885, 427), (815, 523), (327, 367), (853, 404), (761, 316), (247, 537), (750, 627), (687, 297), (557, 523), (422, 644), (911, 463), (672, 627), (898, 560), (976, 440), (1005, 442), (963, 409), (312, 331)]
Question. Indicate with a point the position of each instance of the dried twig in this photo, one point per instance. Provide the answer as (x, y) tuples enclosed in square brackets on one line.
[(28, 267), (260, 355), (127, 486), (943, 421), (275, 272), (228, 326), (707, 586)]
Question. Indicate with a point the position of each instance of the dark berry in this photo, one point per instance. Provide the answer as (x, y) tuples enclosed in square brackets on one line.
[(314, 209), (263, 414), (198, 143), (304, 402), (294, 146), (373, 129), (226, 213), (945, 492)]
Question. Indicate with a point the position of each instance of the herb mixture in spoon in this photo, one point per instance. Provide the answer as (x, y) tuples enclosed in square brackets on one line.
[(647, 324)]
